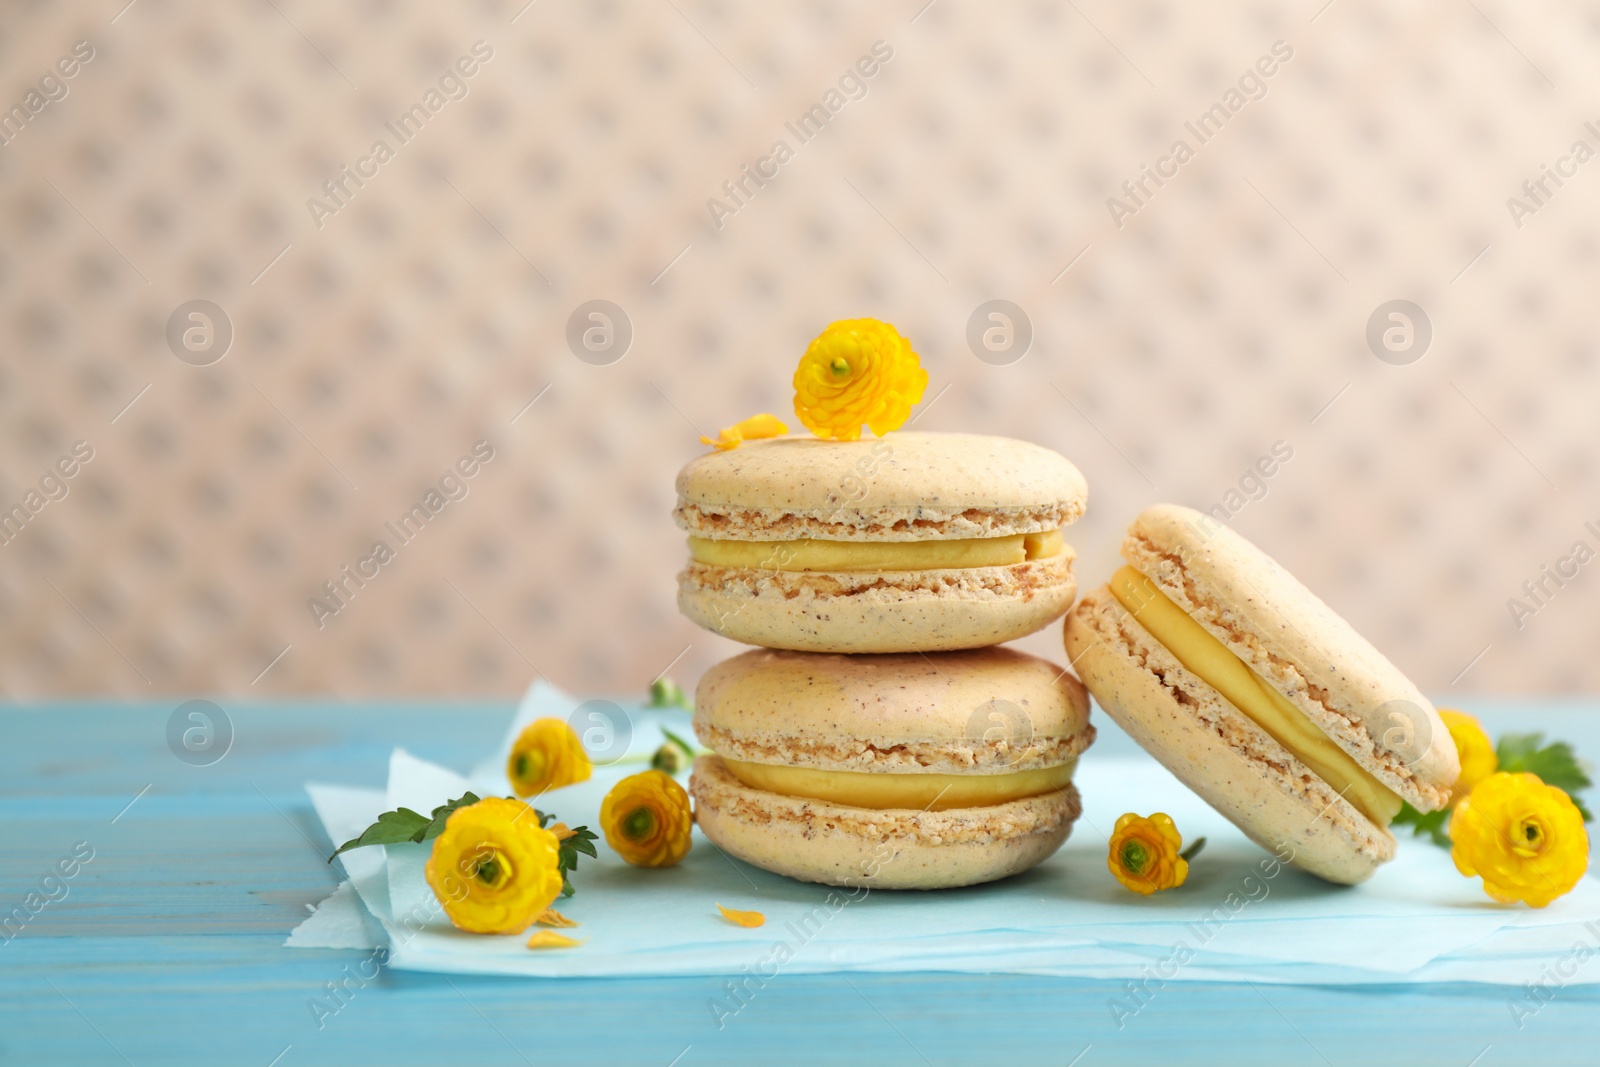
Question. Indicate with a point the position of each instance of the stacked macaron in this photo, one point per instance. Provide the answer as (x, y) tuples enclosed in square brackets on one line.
[(916, 542), (884, 742)]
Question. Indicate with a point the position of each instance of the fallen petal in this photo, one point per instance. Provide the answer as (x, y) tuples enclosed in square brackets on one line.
[(552, 917), (748, 919), (551, 939)]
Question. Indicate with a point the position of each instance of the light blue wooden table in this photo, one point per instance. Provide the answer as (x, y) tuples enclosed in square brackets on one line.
[(167, 946)]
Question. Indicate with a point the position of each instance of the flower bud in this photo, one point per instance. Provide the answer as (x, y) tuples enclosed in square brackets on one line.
[(665, 693), (669, 759)]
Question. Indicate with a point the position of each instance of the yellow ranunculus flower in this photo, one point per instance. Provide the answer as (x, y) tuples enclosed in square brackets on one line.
[(547, 755), (857, 371), (755, 428), (1144, 853), (646, 819), (1478, 760), (1526, 839), (493, 868)]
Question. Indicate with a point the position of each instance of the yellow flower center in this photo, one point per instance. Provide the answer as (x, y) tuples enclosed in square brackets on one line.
[(1134, 856), (638, 824), (1529, 837), (530, 764), (840, 366), (493, 870)]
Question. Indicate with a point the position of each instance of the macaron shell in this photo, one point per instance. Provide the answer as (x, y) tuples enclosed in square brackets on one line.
[(986, 711), (891, 611), (1216, 750), (1300, 646), (815, 841), (904, 487)]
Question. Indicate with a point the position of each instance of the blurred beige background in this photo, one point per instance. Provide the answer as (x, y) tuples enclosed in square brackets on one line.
[(373, 345)]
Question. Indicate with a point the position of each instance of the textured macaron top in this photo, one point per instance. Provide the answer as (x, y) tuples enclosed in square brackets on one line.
[(985, 711), (1299, 646), (903, 487)]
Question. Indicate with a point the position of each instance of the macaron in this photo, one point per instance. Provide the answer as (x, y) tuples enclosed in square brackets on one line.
[(1258, 696), (896, 771), (914, 542)]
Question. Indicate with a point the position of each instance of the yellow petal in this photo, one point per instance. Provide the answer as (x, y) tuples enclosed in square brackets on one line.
[(748, 919), (754, 428), (561, 831), (760, 426), (551, 939), (552, 917)]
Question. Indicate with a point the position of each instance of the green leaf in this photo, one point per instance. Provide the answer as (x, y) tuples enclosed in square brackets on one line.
[(392, 828), (1555, 764), (404, 825), (688, 749), (1431, 823), (583, 840), (441, 815)]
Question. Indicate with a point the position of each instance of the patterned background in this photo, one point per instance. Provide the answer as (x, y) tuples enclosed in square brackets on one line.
[(373, 346)]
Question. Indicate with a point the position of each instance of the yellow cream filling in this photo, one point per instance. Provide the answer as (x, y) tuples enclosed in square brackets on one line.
[(1229, 675), (809, 554), (922, 792)]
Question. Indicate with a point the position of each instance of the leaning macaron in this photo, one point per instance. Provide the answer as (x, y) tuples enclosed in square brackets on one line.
[(894, 771), (1258, 695), (912, 542)]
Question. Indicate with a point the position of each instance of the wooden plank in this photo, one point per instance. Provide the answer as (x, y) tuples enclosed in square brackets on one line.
[(168, 947)]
